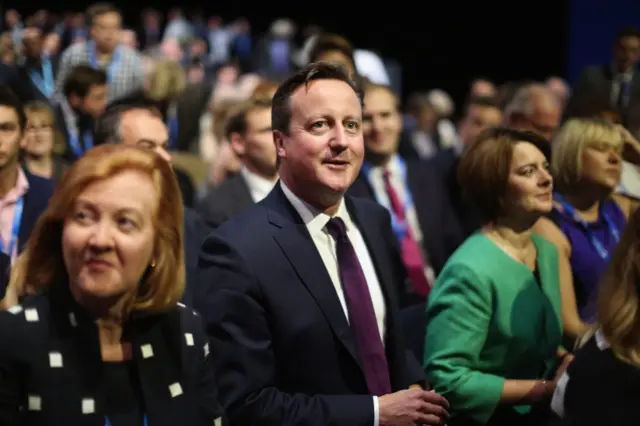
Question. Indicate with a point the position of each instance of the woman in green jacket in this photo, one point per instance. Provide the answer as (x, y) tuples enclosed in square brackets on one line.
[(494, 323)]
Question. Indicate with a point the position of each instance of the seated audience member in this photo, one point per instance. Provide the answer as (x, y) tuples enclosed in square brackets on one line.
[(39, 142), (23, 195), (248, 130), (302, 308), (135, 122), (423, 220), (494, 324), (83, 98), (535, 108), (606, 369), (588, 218), (106, 263)]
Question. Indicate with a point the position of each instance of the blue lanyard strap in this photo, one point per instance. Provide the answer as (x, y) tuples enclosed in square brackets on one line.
[(44, 83), (174, 126), (15, 228), (113, 66), (145, 421), (77, 146), (399, 226), (593, 239)]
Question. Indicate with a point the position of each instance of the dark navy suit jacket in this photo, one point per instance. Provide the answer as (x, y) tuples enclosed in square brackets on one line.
[(284, 351), (35, 202)]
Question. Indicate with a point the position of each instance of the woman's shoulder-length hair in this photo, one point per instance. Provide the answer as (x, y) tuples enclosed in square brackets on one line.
[(42, 264)]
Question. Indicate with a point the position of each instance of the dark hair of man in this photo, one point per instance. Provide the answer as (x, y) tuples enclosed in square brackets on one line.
[(331, 42), (627, 32), (8, 99), (481, 101), (107, 126), (98, 9), (81, 79), (281, 103), (236, 121)]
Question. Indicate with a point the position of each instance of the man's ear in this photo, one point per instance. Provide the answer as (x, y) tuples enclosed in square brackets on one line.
[(237, 144), (278, 139)]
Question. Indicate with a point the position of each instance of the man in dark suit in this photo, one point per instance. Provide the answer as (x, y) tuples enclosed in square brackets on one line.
[(248, 130), (83, 98), (423, 220), (36, 71), (135, 122), (23, 196), (616, 85), (300, 304)]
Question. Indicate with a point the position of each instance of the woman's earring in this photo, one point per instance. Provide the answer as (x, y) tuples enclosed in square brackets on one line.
[(153, 264)]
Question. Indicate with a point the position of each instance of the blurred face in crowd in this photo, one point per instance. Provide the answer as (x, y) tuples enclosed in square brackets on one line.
[(93, 104), (477, 119), (51, 44), (32, 42), (602, 163), (256, 147), (382, 123), (10, 136), (529, 185), (627, 53), (129, 39), (106, 31), (337, 57), (144, 129), (38, 137), (482, 88), (322, 154), (108, 236)]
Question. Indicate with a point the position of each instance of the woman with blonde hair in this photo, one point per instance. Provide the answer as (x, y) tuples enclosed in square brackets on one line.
[(588, 218), (42, 142), (165, 83), (606, 370), (105, 264)]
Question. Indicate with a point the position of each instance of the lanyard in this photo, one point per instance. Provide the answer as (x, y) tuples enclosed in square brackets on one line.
[(15, 228), (44, 83), (145, 421), (173, 124), (113, 66), (399, 226), (595, 241), (76, 146)]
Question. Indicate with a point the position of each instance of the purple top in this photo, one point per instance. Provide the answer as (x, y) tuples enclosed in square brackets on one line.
[(587, 265)]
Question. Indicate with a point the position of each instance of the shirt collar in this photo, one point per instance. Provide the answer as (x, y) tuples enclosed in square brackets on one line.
[(314, 219), (258, 185)]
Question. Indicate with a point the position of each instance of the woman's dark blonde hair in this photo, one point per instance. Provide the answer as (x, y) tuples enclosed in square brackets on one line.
[(43, 109), (42, 264), (619, 298)]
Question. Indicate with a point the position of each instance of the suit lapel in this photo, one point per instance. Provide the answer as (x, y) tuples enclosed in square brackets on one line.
[(295, 241), (370, 230)]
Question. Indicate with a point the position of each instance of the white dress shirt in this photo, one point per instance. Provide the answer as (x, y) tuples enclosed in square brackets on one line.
[(316, 222), (259, 187)]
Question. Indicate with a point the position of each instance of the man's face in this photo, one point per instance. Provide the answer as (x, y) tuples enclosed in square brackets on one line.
[(477, 119), (627, 52), (381, 122), (105, 30), (93, 104), (32, 41), (10, 136), (323, 152), (256, 146), (144, 129)]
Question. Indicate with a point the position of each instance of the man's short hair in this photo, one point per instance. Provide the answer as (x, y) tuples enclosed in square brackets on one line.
[(481, 101), (81, 79), (107, 126), (627, 32), (331, 42), (9, 99), (98, 9), (281, 104), (236, 120)]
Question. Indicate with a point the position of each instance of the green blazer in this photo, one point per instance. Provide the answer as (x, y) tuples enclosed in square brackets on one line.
[(488, 320)]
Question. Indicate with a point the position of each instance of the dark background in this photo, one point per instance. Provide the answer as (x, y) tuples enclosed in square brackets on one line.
[(442, 44)]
